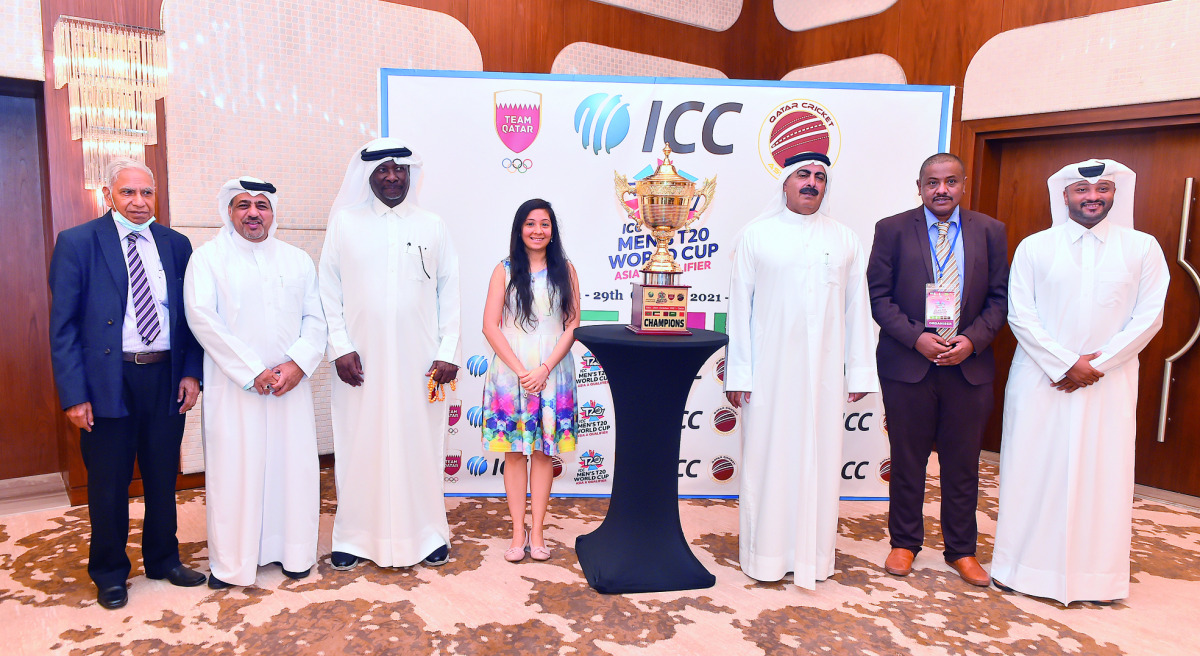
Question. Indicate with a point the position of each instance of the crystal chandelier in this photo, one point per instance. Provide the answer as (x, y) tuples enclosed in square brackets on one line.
[(115, 73)]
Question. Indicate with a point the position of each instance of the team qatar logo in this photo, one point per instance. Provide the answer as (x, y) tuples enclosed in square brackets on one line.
[(455, 411), (518, 118), (723, 469), (794, 127), (453, 461), (725, 420), (885, 470)]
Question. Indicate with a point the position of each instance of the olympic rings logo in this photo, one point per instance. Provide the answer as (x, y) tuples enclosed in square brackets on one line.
[(515, 165)]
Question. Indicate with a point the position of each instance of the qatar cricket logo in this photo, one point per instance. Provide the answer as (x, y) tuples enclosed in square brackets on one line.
[(518, 118), (794, 127)]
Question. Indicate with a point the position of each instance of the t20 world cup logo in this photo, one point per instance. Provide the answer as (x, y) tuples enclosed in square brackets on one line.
[(518, 118)]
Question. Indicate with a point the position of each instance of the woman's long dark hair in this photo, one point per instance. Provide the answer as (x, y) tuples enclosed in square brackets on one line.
[(518, 298)]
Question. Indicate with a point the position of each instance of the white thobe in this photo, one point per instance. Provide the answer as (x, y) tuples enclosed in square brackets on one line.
[(389, 285), (1066, 460), (800, 337), (252, 307)]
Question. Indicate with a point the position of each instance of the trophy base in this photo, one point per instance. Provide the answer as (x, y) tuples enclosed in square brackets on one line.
[(659, 309)]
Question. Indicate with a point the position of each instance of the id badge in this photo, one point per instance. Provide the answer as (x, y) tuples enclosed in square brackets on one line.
[(939, 306)]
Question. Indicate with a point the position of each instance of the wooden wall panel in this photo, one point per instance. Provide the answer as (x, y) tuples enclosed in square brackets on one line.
[(69, 204), (28, 406), (1022, 13), (1162, 144), (933, 40)]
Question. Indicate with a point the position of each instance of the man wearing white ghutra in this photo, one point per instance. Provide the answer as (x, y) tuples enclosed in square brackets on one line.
[(389, 287), (1085, 297)]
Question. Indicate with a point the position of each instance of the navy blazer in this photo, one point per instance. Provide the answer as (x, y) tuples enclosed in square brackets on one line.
[(89, 283), (899, 268)]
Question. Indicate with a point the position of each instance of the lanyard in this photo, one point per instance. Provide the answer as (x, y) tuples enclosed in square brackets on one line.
[(950, 239)]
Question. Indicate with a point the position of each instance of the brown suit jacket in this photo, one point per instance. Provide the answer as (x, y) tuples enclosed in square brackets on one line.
[(899, 268)]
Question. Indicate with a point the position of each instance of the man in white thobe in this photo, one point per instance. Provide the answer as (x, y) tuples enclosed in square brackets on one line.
[(389, 286), (800, 336), (1085, 297), (253, 304)]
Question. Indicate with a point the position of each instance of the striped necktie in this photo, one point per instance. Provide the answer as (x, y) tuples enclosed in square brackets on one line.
[(948, 278), (143, 297)]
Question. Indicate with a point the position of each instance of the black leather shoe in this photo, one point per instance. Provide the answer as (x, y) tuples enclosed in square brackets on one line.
[(216, 583), (183, 577), (439, 557), (296, 575), (1000, 586), (113, 597), (342, 561)]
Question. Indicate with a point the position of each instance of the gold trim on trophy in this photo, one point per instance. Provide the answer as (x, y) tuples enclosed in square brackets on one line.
[(664, 207)]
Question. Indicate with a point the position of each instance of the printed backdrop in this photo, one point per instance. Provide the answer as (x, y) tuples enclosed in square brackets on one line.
[(491, 141)]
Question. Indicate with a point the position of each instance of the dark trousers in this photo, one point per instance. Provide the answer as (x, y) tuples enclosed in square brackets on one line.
[(942, 409), (151, 434)]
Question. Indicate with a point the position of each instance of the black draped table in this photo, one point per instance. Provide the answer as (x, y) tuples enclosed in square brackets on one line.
[(640, 545)]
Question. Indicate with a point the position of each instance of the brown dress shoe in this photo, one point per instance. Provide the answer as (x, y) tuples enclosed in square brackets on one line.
[(970, 571), (899, 562)]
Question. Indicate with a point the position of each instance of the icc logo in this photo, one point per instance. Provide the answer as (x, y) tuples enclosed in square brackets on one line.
[(475, 416), (477, 365), (591, 411), (477, 465), (602, 122), (854, 421), (794, 127)]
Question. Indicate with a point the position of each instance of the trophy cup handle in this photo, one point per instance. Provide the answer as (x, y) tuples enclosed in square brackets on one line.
[(708, 191), (621, 187)]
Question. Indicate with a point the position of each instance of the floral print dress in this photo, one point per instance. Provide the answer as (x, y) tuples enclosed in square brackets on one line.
[(514, 420)]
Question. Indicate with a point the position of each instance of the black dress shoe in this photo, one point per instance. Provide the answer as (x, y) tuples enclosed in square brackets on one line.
[(439, 557), (342, 561), (296, 575), (183, 577), (216, 583), (113, 597), (1000, 586)]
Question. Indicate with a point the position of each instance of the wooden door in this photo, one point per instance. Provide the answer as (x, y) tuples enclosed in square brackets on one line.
[(1163, 156), (28, 402)]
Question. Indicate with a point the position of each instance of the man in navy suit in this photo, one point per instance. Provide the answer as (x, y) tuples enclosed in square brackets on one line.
[(127, 369), (936, 367)]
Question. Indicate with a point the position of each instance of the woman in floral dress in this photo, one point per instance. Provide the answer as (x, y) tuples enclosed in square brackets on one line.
[(529, 319)]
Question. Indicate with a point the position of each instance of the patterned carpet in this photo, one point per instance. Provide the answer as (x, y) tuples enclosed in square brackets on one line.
[(480, 604)]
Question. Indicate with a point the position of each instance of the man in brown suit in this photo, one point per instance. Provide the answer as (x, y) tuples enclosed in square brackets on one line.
[(936, 372)]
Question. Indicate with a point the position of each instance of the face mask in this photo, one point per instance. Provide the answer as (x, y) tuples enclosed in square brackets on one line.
[(130, 225)]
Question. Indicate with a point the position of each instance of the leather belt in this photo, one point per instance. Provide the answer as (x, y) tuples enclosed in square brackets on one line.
[(146, 358)]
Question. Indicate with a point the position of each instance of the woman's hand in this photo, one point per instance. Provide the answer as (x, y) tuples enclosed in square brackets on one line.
[(535, 381)]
